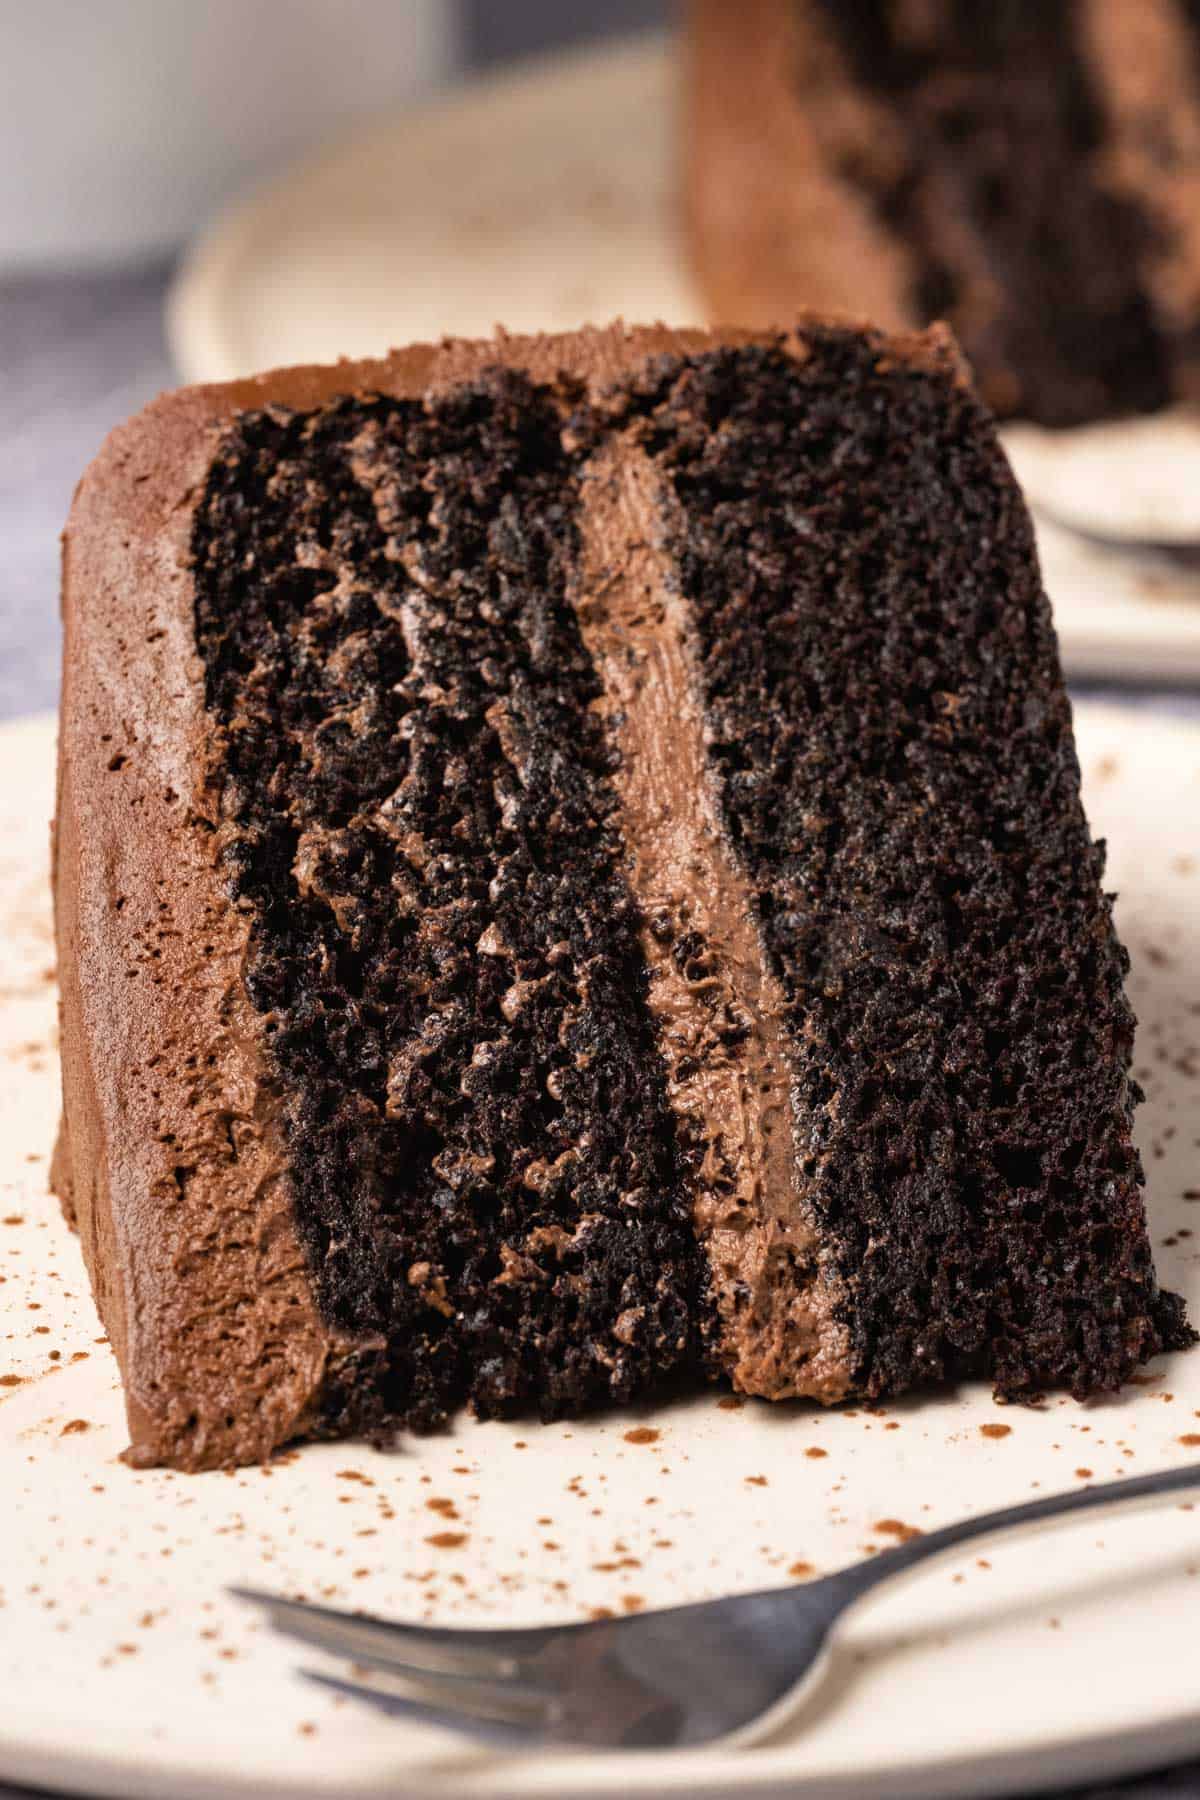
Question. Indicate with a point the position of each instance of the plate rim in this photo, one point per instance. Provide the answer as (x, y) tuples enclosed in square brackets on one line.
[(1051, 1763)]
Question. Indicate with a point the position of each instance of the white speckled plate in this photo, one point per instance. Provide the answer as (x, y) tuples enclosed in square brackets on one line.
[(544, 199), (125, 1670)]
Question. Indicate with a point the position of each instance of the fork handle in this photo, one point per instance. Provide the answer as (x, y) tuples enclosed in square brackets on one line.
[(1110, 1496)]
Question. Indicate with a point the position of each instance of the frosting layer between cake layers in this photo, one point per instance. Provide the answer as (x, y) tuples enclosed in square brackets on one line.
[(717, 1004)]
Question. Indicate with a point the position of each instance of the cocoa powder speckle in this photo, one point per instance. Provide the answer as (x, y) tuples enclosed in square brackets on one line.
[(896, 1528)]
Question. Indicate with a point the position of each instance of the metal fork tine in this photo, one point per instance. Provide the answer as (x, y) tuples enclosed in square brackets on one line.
[(520, 1698), (361, 1639), (457, 1713)]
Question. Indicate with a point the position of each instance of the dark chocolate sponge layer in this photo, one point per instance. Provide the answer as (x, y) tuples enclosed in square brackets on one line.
[(897, 771), (482, 1157)]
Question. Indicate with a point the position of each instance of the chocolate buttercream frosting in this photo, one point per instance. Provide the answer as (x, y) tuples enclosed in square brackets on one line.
[(570, 873), (718, 1007)]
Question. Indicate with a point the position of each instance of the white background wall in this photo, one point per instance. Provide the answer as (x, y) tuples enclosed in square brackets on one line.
[(124, 123)]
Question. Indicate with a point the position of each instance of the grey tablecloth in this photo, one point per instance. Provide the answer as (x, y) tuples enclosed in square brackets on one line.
[(76, 356)]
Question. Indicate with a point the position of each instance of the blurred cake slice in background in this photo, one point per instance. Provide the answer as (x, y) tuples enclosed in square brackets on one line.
[(1027, 170)]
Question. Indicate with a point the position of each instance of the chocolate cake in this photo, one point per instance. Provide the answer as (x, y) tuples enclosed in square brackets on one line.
[(570, 875), (1028, 170)]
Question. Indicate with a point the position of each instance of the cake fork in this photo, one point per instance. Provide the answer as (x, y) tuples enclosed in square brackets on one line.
[(687, 1675)]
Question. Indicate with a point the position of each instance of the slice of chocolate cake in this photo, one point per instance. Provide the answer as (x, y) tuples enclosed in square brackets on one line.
[(570, 871), (1027, 169)]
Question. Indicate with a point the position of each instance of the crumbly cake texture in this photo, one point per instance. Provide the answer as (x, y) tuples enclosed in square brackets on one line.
[(1029, 172), (570, 873)]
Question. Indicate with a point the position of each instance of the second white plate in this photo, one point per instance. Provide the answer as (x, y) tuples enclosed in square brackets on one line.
[(544, 199)]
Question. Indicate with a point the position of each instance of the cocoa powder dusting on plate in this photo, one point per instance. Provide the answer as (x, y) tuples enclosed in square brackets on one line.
[(896, 1528)]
